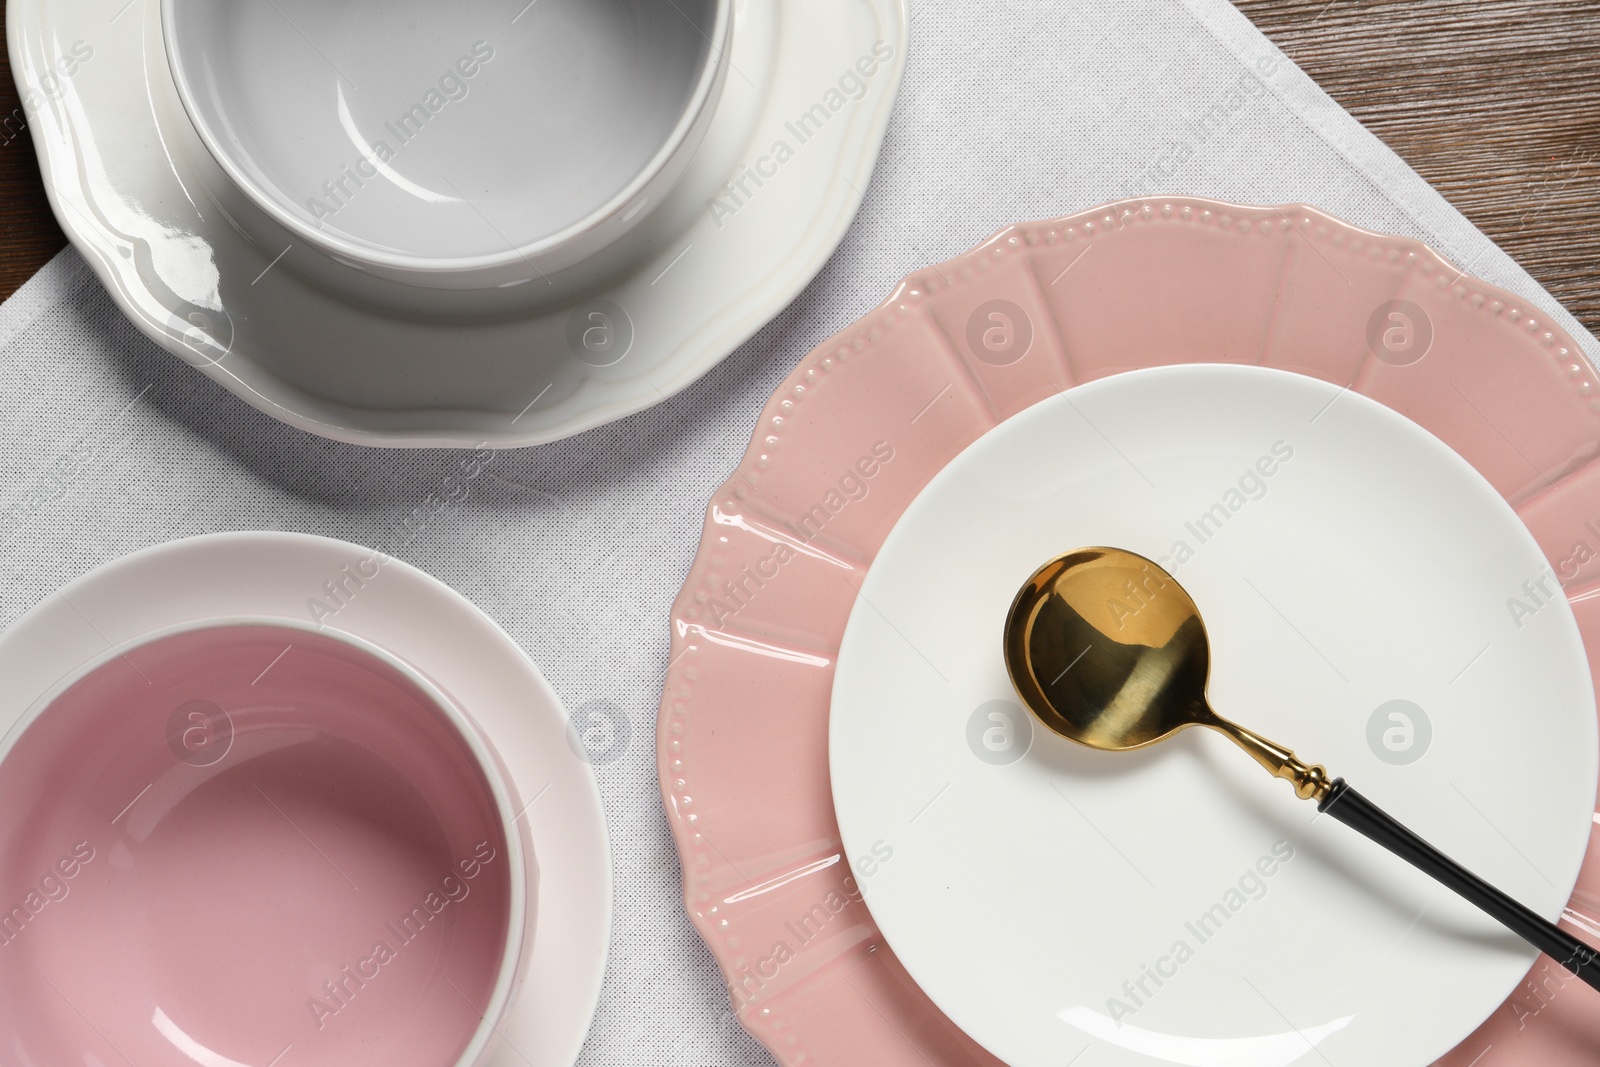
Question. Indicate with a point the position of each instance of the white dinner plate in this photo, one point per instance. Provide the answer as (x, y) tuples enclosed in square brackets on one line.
[(1358, 582), (766, 199), (433, 629)]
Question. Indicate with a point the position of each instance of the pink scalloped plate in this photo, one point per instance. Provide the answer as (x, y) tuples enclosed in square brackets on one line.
[(868, 418)]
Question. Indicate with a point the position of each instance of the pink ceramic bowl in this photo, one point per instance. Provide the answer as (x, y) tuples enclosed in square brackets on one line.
[(254, 842)]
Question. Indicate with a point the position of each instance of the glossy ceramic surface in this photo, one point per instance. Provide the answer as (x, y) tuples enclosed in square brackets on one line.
[(867, 419), (1343, 559), (303, 849), (454, 146), (353, 357), (449, 645)]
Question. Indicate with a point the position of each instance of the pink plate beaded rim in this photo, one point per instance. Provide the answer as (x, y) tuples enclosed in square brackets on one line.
[(869, 417)]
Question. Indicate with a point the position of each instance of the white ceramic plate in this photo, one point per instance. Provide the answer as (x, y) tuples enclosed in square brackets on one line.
[(339, 354), (437, 632), (1177, 904)]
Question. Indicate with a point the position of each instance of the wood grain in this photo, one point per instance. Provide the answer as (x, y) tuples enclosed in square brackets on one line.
[(1496, 102), (28, 232)]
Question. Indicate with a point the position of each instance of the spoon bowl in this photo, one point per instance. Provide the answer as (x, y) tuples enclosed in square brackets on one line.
[(1107, 649)]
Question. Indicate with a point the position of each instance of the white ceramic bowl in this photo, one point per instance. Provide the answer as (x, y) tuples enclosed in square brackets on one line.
[(467, 145)]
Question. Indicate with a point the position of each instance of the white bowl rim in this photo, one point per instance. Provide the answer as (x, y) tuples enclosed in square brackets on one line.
[(518, 942), (700, 102)]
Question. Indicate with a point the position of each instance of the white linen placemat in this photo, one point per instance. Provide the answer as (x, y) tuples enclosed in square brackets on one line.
[(1011, 110)]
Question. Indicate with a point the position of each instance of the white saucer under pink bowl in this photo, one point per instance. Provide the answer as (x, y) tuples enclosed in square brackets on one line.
[(251, 841)]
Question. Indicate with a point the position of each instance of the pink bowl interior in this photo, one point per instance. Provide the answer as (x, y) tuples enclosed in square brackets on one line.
[(247, 845)]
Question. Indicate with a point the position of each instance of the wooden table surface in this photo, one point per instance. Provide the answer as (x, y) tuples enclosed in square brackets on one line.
[(1496, 102)]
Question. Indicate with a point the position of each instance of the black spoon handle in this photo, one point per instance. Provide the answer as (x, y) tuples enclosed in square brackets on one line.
[(1361, 814)]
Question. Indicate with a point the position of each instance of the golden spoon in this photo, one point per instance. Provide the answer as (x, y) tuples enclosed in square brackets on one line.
[(1108, 650)]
